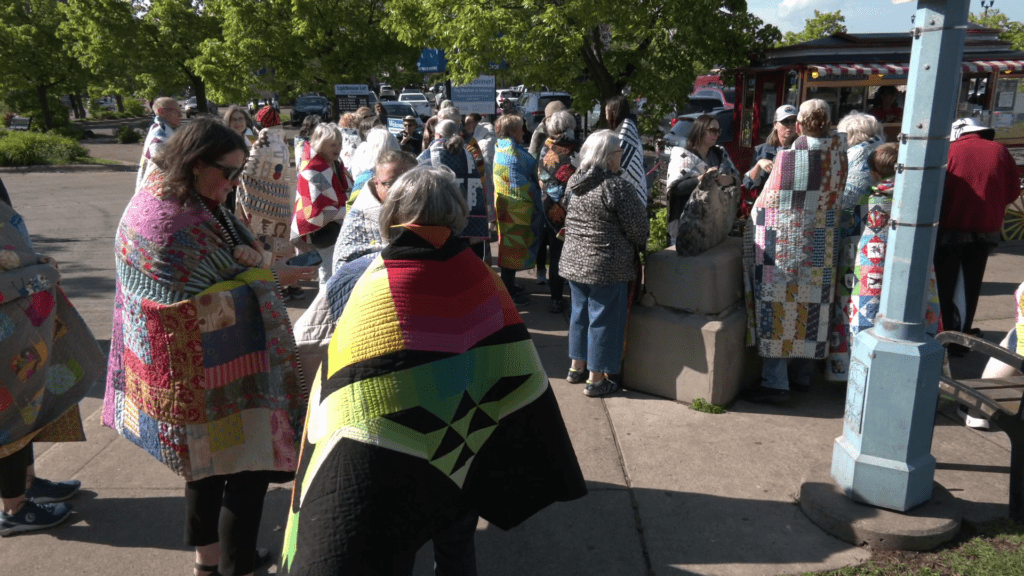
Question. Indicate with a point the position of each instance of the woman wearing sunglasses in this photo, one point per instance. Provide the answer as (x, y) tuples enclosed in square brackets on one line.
[(203, 372), (782, 137), (702, 162)]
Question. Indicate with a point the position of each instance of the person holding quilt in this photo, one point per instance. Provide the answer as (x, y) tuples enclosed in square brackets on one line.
[(323, 188), (433, 409), (203, 371), (517, 204), (790, 254)]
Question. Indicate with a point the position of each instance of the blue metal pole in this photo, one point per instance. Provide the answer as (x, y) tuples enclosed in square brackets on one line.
[(884, 456)]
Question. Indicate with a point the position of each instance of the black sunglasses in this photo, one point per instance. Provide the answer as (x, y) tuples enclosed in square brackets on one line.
[(230, 173)]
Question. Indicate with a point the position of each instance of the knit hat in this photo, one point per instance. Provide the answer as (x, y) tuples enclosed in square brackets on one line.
[(268, 117), (963, 126)]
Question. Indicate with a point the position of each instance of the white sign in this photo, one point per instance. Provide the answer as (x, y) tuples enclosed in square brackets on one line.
[(350, 89), (477, 96)]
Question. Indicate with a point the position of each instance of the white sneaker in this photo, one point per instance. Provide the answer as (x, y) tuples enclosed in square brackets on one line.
[(971, 421)]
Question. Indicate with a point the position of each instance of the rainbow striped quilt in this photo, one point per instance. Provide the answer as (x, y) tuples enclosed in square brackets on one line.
[(432, 402)]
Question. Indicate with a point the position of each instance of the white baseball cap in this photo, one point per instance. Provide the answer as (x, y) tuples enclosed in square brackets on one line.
[(785, 111)]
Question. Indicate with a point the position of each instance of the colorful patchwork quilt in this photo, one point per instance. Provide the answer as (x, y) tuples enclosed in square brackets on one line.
[(789, 252), (517, 203), (433, 402), (203, 371), (468, 178), (870, 266), (322, 191), (159, 133), (48, 357), (264, 200)]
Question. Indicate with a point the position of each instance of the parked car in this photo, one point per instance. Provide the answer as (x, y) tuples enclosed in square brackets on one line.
[(312, 105), (387, 92), (107, 103), (397, 111), (418, 101), (532, 104), (506, 94), (192, 107)]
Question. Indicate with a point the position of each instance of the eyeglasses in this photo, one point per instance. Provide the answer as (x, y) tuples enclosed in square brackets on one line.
[(715, 130), (229, 172)]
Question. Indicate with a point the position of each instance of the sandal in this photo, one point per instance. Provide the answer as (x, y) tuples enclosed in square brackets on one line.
[(577, 376)]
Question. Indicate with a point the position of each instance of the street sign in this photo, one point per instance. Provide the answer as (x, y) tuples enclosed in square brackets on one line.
[(477, 96), (432, 60), (350, 89), (350, 97)]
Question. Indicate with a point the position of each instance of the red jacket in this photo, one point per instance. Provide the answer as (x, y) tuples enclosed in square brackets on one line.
[(981, 181)]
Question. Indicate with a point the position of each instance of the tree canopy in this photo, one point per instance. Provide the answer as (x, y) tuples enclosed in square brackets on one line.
[(592, 49), (1011, 31), (821, 25)]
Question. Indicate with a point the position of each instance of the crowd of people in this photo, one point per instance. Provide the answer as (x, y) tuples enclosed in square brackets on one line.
[(409, 401)]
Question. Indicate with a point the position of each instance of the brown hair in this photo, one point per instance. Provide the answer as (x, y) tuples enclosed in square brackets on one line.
[(883, 159), (617, 109), (207, 139), (773, 139), (503, 127), (700, 130), (231, 112)]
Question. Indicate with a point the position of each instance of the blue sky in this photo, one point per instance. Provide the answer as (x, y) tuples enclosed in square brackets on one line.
[(861, 15)]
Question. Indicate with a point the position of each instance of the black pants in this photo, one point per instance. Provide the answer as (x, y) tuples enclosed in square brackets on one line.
[(13, 470), (949, 259), (454, 549), (542, 253), (508, 277), (553, 245), (227, 509)]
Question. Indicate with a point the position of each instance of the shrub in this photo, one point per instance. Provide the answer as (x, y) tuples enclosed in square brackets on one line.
[(133, 107), (68, 132), (127, 135), (8, 119), (702, 405), (31, 148), (658, 239)]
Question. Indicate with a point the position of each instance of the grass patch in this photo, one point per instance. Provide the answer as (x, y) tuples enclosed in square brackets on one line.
[(990, 549), (702, 405), (34, 148), (91, 160)]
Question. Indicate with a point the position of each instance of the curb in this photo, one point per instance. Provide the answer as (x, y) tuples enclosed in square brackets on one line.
[(70, 168)]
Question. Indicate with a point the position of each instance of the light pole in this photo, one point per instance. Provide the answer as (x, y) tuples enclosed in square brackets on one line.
[(986, 4)]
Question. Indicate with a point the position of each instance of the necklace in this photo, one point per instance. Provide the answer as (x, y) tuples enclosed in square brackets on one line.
[(224, 224)]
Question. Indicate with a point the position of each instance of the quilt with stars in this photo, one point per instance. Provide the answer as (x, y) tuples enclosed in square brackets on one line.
[(321, 195), (432, 402), (265, 197), (467, 176), (48, 357), (790, 250)]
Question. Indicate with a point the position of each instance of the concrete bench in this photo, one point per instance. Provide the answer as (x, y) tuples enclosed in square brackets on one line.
[(21, 124), (1000, 402)]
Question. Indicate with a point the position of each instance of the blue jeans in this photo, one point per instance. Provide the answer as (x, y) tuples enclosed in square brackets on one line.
[(597, 327), (776, 372)]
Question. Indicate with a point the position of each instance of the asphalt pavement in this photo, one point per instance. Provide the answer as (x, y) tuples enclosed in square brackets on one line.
[(672, 491)]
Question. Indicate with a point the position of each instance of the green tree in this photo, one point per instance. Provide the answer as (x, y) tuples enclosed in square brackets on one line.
[(821, 25), (590, 48), (1011, 31), (36, 64), (305, 45), (104, 36)]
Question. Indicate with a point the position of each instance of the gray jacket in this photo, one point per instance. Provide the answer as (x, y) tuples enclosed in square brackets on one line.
[(605, 225)]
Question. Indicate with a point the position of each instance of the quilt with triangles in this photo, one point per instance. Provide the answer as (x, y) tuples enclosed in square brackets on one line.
[(433, 402)]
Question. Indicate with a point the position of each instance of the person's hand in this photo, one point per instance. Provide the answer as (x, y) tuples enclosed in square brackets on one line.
[(765, 164), (291, 275), (707, 177), (247, 256)]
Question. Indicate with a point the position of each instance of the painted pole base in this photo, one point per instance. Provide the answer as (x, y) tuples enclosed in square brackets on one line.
[(924, 528)]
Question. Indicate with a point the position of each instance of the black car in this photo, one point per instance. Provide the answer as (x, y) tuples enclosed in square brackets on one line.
[(312, 105)]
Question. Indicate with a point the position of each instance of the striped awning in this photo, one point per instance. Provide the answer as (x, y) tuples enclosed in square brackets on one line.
[(861, 69)]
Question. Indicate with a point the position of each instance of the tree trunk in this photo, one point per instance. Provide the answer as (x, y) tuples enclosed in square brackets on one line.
[(47, 115), (120, 102), (200, 89)]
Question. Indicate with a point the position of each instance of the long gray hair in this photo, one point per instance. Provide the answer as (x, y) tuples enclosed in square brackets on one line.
[(425, 195), (449, 132)]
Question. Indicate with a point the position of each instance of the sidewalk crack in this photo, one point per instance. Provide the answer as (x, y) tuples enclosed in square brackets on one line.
[(641, 536)]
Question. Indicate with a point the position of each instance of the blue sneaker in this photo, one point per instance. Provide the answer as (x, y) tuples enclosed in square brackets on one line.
[(46, 492), (33, 516)]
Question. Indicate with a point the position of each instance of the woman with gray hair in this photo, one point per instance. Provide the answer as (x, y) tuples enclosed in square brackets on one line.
[(605, 228), (448, 149), (864, 134), (320, 202), (430, 342), (789, 255)]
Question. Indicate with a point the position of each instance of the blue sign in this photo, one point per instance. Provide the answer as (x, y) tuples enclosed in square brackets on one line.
[(432, 60)]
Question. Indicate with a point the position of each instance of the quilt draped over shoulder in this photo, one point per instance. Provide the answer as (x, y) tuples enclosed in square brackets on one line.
[(517, 204), (790, 250), (433, 402), (48, 357), (203, 371)]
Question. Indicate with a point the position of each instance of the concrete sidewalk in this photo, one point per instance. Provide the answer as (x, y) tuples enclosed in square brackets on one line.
[(672, 491)]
